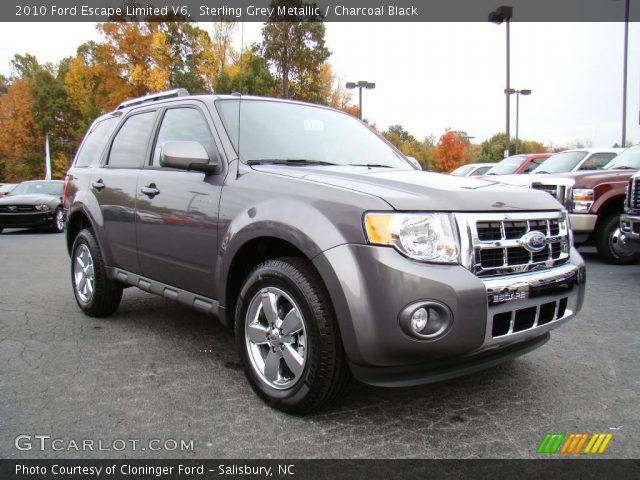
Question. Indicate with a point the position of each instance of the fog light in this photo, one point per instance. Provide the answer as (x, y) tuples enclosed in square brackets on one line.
[(419, 319), (426, 319)]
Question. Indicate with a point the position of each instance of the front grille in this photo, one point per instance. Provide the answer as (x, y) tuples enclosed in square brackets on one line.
[(498, 242), (17, 208), (633, 198), (505, 323), (556, 191)]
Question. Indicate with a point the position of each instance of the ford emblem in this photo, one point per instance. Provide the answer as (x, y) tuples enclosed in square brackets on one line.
[(534, 241)]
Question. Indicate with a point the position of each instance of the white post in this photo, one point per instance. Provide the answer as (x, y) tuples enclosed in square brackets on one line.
[(47, 158)]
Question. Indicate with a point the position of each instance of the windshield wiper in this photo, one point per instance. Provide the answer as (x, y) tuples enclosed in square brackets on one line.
[(288, 161), (370, 165), (622, 167), (542, 171)]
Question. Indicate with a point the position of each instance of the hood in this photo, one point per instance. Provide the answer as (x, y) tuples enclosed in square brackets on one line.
[(591, 178), (29, 199), (522, 180), (418, 190)]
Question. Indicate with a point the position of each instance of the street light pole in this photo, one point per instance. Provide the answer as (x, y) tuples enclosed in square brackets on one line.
[(360, 85), (518, 92), (499, 15), (624, 74)]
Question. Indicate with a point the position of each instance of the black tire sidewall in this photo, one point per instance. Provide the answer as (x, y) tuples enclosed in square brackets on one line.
[(604, 243), (272, 276)]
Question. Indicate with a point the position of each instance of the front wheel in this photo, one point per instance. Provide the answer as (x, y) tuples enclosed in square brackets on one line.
[(58, 221), (95, 293), (288, 338), (608, 243)]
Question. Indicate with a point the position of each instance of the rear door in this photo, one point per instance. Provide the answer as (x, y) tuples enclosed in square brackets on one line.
[(177, 210), (114, 186)]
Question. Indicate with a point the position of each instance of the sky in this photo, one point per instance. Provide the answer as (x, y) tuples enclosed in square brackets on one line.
[(433, 76)]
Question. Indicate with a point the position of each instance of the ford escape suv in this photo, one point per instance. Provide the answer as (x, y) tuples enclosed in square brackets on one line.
[(325, 250)]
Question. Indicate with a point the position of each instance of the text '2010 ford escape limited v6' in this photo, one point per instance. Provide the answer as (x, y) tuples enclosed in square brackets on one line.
[(321, 245)]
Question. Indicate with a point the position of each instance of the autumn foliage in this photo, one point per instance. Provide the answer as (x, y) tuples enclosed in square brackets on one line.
[(451, 152)]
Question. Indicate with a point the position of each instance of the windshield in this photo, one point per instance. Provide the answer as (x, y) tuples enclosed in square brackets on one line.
[(507, 166), (462, 170), (44, 188), (629, 159), (560, 163), (305, 134)]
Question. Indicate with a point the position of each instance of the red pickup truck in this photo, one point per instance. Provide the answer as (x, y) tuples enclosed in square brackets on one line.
[(595, 201)]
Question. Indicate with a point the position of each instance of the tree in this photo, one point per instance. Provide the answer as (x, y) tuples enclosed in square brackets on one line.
[(492, 150), (295, 47), (21, 141), (450, 151), (249, 75)]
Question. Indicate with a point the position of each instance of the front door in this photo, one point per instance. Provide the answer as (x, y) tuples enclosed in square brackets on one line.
[(177, 210)]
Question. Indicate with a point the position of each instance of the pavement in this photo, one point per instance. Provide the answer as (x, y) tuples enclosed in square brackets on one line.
[(164, 381)]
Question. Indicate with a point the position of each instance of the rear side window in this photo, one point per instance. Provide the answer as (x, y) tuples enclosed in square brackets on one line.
[(129, 148), (186, 124), (597, 161), (94, 142)]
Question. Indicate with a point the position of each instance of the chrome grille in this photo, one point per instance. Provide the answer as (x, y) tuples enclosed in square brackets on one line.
[(17, 208), (559, 192), (634, 194), (497, 242)]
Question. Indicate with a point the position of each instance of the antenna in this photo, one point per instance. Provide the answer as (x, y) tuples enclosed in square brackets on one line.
[(241, 88)]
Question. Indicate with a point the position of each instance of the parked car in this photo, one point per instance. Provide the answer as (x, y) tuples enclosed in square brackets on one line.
[(33, 204), (564, 162), (518, 164), (578, 160), (595, 201), (326, 251), (630, 220), (472, 169), (6, 188)]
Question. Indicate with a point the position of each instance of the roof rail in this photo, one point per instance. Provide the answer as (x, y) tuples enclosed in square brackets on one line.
[(178, 92)]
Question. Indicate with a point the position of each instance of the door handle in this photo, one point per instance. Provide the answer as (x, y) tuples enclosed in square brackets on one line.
[(98, 185), (150, 190)]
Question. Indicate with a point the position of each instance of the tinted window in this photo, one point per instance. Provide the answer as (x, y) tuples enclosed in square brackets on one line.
[(45, 188), (480, 171), (94, 142), (507, 166), (629, 159), (597, 161), (289, 131), (130, 145), (462, 170), (184, 124), (561, 162)]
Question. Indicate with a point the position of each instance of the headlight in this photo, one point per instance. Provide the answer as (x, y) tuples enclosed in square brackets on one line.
[(43, 208), (425, 237), (582, 200)]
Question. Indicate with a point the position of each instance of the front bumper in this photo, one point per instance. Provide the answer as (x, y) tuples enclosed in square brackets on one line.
[(369, 286), (26, 220), (630, 227), (583, 222)]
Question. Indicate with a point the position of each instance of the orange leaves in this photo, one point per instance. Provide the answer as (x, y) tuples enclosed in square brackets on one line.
[(451, 151)]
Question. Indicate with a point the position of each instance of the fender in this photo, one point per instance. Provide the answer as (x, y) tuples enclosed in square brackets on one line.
[(79, 207), (295, 222), (605, 193)]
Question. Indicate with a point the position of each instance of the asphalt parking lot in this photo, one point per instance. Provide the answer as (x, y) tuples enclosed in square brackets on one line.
[(156, 370)]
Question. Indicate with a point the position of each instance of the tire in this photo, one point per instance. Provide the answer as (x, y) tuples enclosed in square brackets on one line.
[(97, 295), (58, 221), (294, 286), (610, 250), (1, 229)]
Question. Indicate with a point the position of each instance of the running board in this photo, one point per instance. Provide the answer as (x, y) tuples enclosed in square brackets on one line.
[(193, 300)]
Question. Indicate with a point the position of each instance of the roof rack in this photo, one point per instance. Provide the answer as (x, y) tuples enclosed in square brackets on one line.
[(178, 92)]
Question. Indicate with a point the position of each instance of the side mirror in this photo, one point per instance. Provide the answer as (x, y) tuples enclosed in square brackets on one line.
[(414, 162), (187, 155)]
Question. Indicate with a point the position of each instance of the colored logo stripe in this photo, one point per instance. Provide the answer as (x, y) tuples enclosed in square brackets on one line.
[(574, 443)]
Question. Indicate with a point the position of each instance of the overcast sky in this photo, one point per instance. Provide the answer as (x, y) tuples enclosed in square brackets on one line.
[(431, 76)]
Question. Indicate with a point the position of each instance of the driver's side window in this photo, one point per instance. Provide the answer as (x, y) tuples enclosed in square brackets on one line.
[(186, 124)]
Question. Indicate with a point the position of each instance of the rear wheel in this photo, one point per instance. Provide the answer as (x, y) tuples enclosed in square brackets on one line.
[(288, 339), (608, 243), (95, 293)]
